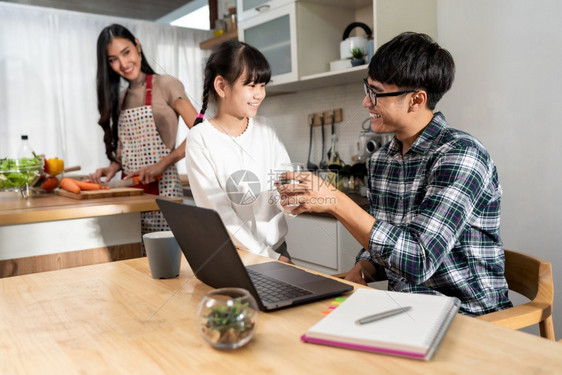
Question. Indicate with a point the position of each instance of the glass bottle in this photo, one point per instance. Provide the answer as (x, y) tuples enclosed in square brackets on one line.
[(27, 166), (25, 150)]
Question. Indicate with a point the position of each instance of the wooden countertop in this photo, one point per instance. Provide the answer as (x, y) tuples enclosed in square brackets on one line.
[(50, 207), (114, 318)]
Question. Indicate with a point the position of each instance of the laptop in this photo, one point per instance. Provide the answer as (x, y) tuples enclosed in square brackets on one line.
[(212, 256)]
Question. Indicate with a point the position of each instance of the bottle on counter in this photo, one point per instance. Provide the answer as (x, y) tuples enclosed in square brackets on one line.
[(25, 150), (29, 166)]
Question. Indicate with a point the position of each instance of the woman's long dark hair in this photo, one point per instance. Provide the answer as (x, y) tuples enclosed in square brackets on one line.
[(107, 83), (230, 60)]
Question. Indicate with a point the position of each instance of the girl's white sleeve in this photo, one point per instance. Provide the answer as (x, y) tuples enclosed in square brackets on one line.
[(280, 157)]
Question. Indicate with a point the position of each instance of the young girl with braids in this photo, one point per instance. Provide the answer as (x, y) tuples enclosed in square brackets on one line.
[(140, 125), (233, 157)]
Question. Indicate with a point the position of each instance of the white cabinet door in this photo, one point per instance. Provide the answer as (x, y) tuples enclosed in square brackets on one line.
[(322, 244), (348, 248), (313, 240), (274, 34), (251, 8)]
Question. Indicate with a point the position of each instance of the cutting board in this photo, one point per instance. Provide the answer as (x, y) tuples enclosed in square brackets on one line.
[(94, 194)]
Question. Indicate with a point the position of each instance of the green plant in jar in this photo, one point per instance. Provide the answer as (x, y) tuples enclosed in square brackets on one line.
[(232, 323), (227, 317)]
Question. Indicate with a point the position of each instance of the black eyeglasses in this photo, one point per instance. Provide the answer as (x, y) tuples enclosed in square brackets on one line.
[(373, 95)]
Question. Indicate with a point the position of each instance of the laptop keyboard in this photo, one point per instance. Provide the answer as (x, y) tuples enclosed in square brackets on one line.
[(271, 290)]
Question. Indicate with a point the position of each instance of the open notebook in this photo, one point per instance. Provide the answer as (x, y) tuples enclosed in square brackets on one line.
[(415, 333)]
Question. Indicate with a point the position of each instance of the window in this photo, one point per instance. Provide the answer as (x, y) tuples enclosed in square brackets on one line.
[(193, 15)]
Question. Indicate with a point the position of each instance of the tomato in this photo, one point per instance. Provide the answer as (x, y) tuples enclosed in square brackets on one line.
[(50, 183), (54, 166)]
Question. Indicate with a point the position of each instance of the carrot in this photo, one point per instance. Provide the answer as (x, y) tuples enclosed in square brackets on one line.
[(70, 184), (102, 187), (88, 185)]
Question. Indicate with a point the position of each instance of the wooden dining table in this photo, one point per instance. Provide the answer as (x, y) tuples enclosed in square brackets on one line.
[(114, 318)]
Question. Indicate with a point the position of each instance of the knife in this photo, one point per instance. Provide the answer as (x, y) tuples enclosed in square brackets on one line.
[(128, 182)]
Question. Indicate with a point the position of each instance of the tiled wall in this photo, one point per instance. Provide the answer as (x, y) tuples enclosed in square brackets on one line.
[(290, 112)]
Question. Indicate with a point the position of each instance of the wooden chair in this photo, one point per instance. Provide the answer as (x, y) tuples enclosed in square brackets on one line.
[(531, 277)]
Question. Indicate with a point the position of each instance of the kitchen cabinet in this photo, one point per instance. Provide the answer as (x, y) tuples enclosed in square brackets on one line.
[(321, 244), (298, 39), (301, 38), (273, 33), (251, 8)]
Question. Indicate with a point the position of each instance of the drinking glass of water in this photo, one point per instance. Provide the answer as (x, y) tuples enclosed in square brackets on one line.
[(295, 168), (290, 167)]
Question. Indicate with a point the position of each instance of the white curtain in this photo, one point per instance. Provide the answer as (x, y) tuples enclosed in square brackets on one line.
[(48, 74)]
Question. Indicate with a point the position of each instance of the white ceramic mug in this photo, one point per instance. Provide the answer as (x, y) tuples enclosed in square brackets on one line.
[(164, 254)]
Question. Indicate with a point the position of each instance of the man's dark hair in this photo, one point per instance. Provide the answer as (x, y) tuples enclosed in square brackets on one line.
[(414, 61)]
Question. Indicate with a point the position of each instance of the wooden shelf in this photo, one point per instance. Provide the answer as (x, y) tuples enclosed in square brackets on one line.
[(210, 43), (315, 81)]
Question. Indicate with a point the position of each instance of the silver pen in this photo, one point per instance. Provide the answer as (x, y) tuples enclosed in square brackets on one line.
[(382, 315)]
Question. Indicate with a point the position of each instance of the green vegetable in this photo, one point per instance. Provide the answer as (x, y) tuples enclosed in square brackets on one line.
[(17, 173)]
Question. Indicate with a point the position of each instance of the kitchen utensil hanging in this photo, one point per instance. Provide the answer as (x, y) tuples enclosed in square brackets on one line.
[(335, 162), (309, 165), (331, 116), (323, 162)]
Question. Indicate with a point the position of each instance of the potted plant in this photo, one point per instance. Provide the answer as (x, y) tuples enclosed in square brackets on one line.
[(228, 318), (357, 56)]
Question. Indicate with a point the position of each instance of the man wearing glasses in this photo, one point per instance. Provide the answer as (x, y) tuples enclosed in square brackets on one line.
[(434, 220)]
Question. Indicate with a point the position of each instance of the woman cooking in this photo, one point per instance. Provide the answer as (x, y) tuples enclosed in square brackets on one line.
[(140, 125)]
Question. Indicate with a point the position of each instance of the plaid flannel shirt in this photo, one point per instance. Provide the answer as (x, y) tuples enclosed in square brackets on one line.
[(437, 211)]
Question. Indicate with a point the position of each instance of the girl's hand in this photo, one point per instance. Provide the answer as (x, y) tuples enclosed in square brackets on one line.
[(311, 194)]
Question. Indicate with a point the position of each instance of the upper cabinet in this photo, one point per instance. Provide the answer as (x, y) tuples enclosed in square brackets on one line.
[(301, 37), (249, 8), (274, 33)]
